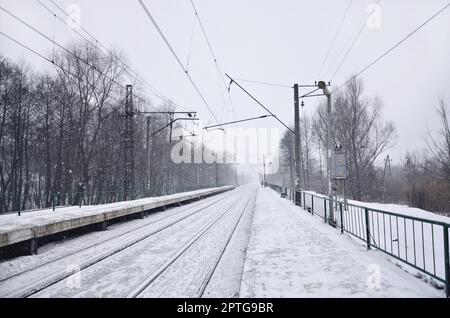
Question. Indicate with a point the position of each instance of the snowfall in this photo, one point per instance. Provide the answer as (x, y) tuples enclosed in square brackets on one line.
[(277, 249)]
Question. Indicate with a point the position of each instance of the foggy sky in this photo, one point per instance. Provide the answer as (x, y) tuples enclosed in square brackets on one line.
[(275, 41)]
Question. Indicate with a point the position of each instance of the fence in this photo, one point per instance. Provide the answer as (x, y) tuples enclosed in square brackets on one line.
[(420, 243)]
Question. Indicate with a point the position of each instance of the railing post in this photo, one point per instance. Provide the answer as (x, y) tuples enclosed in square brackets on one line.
[(304, 199), (312, 204), (342, 218), (447, 262), (325, 210), (367, 228)]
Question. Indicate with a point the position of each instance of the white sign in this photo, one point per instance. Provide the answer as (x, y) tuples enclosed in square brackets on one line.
[(340, 164)]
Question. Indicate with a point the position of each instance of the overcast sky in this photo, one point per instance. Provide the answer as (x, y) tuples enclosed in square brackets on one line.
[(274, 41)]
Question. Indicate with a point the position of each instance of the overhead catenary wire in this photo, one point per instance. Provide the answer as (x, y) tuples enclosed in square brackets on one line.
[(109, 54), (96, 43), (238, 121), (216, 62), (54, 25), (103, 74), (334, 39), (264, 83), (393, 47), (258, 102), (62, 68), (360, 31), (166, 41), (190, 44), (39, 115)]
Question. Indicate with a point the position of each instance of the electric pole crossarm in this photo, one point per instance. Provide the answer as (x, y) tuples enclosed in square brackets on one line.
[(315, 95), (155, 112), (297, 137), (169, 124), (237, 121), (258, 102), (309, 94)]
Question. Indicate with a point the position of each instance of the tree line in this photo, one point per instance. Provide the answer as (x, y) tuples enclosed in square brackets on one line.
[(422, 179), (61, 133)]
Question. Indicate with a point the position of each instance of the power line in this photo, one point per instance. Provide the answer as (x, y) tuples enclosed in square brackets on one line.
[(393, 47), (38, 114), (190, 44), (237, 121), (361, 29), (54, 63), (220, 73), (68, 51), (265, 83), (96, 43), (177, 58), (335, 37), (258, 102)]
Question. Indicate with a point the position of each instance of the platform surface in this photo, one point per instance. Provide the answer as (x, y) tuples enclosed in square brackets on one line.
[(35, 224)]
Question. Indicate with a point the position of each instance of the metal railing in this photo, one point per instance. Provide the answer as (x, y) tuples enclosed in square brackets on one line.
[(422, 244)]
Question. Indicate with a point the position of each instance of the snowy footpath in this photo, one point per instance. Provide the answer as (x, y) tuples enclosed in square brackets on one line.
[(293, 254)]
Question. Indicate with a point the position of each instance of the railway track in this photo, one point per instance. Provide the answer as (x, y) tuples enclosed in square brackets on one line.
[(244, 205), (33, 284)]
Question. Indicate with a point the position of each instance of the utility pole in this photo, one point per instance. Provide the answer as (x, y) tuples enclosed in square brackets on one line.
[(322, 85), (217, 173), (387, 166), (297, 138), (147, 156), (128, 139), (264, 171)]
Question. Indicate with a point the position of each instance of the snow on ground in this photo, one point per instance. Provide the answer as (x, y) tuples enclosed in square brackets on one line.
[(395, 208), (120, 273), (422, 244), (60, 248), (293, 254), (226, 279), (186, 276), (45, 216)]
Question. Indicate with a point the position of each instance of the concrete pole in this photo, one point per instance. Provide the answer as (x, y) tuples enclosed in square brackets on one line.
[(217, 170), (297, 137), (147, 157), (329, 156), (264, 171), (322, 85)]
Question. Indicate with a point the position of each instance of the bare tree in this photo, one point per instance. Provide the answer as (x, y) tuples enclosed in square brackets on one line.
[(357, 126), (61, 133), (439, 146)]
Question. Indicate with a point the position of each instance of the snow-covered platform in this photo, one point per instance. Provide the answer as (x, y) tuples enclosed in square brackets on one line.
[(33, 225), (294, 254)]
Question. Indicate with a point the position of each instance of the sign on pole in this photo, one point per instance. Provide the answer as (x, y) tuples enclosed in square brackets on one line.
[(340, 163)]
